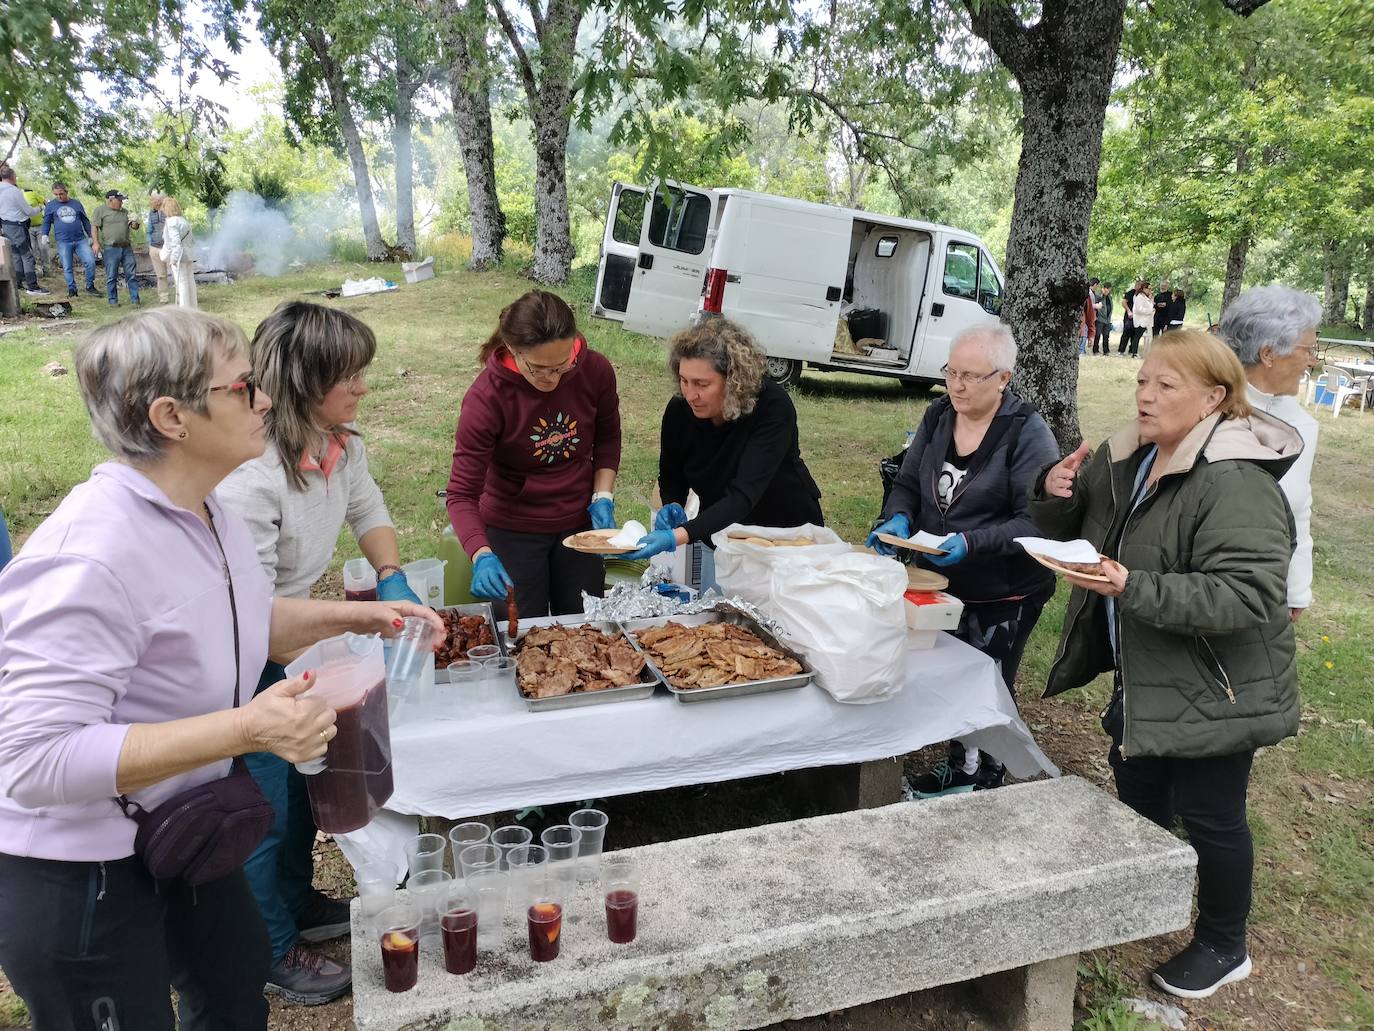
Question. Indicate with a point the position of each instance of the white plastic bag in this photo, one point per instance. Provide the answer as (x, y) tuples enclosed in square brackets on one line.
[(841, 609)]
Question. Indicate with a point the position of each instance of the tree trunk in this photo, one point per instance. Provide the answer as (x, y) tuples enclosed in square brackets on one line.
[(1065, 87), (469, 91), (1367, 320), (1335, 281), (550, 97), (1235, 270), (401, 132), (353, 142)]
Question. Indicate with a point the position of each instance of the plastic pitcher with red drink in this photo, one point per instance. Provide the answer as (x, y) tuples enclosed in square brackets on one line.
[(360, 580), (352, 781)]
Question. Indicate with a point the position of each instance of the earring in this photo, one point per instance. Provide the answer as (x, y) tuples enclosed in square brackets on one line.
[(182, 434)]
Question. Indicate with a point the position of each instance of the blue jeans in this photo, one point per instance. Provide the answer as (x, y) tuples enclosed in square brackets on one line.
[(281, 869), (120, 259), (82, 249)]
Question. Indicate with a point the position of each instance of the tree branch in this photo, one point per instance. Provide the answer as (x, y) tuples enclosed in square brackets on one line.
[(1244, 8), (994, 22), (522, 59), (537, 17)]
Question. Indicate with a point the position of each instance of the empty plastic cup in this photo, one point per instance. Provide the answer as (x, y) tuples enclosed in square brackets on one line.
[(425, 852), (592, 824), (490, 888), (507, 838), (376, 890), (479, 857), (427, 892), (483, 652), (462, 836), (563, 843)]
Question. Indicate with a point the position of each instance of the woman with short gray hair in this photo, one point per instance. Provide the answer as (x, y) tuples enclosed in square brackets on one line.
[(966, 476), (1273, 331), (123, 615), (730, 435)]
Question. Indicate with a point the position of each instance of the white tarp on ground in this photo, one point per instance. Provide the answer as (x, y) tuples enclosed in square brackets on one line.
[(512, 758)]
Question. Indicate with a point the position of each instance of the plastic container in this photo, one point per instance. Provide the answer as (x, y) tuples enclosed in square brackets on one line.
[(426, 579), (928, 613), (457, 570), (353, 779), (360, 580), (418, 271)]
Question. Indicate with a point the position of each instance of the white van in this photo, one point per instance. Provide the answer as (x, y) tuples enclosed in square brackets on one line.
[(788, 270)]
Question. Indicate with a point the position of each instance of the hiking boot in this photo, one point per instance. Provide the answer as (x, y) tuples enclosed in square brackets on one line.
[(945, 778), (322, 918), (71, 293), (309, 978), (991, 774), (94, 292), (1199, 970), (37, 291)]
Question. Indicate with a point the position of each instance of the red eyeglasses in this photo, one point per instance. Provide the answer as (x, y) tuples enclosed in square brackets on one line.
[(247, 385)]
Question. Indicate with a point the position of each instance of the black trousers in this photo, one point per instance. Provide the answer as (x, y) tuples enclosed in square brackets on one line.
[(100, 946), (1208, 796), (1000, 630), (1103, 337), (549, 578), (1133, 337)]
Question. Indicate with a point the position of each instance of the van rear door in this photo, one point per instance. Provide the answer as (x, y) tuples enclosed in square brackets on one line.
[(674, 249), (619, 251)]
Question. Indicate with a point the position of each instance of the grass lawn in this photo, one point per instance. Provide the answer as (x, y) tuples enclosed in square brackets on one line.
[(1312, 801)]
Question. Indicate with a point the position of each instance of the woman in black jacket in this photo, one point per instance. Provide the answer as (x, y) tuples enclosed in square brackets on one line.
[(731, 436), (966, 476)]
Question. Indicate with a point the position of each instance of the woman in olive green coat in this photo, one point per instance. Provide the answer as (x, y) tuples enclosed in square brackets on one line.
[(1192, 617)]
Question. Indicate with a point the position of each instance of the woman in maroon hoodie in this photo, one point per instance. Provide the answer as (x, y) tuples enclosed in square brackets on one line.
[(535, 459)]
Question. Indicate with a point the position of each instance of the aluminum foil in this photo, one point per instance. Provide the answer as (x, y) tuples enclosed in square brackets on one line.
[(642, 600)]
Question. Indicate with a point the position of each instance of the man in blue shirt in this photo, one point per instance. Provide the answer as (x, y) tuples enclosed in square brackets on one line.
[(67, 218)]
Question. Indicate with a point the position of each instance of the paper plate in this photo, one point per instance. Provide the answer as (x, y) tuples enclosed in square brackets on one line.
[(1050, 563), (902, 542), (584, 542), (919, 579)]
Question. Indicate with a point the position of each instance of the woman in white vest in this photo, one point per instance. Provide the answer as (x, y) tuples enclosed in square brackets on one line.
[(178, 251)]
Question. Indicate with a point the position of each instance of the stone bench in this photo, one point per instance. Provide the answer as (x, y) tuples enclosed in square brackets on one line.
[(752, 927)]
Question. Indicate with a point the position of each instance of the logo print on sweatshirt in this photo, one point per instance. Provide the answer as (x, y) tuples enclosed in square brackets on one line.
[(555, 438)]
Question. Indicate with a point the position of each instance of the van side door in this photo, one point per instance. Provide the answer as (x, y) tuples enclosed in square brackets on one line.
[(674, 249), (966, 292), (619, 251)]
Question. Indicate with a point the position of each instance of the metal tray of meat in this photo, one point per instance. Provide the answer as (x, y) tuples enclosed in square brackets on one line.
[(573, 701), (706, 694), (481, 608)]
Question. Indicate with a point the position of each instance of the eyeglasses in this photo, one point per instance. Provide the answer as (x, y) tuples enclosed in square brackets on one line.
[(965, 377), (547, 370), (358, 379), (247, 385)]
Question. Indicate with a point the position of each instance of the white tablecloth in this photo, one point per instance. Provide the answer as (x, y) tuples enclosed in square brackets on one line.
[(512, 758)]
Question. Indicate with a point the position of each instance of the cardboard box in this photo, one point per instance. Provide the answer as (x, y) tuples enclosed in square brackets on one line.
[(417, 271), (929, 612)]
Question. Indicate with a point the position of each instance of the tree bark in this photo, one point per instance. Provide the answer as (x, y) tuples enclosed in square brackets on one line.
[(353, 143), (1335, 281), (1065, 86), (1235, 270), (401, 133), (464, 34), (549, 94)]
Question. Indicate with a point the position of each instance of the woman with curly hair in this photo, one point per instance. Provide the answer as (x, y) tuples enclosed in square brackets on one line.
[(729, 434), (535, 459)]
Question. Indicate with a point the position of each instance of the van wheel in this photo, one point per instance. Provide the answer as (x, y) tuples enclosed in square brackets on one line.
[(785, 372)]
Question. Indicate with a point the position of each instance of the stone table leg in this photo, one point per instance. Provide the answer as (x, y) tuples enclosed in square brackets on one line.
[(841, 789), (1038, 997)]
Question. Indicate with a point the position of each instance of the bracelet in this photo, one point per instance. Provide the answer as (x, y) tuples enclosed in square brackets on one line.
[(383, 569), (603, 495)]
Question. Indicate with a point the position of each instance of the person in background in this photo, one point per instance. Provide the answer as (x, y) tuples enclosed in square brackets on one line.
[(1189, 616), (155, 222), (1163, 298), (113, 224), (729, 434), (535, 458), (65, 216), (178, 252), (126, 617), (1104, 321), (1127, 318), (15, 215), (1087, 328), (967, 475), (1273, 331), (295, 498), (1143, 311), (38, 243), (1178, 308)]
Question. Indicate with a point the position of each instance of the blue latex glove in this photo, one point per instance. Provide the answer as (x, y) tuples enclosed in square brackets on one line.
[(395, 588), (489, 577), (655, 543), (670, 517), (602, 513), (955, 547), (898, 526)]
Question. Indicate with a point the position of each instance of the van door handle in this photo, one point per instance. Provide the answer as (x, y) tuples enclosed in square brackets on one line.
[(834, 293), (646, 261), (936, 310)]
